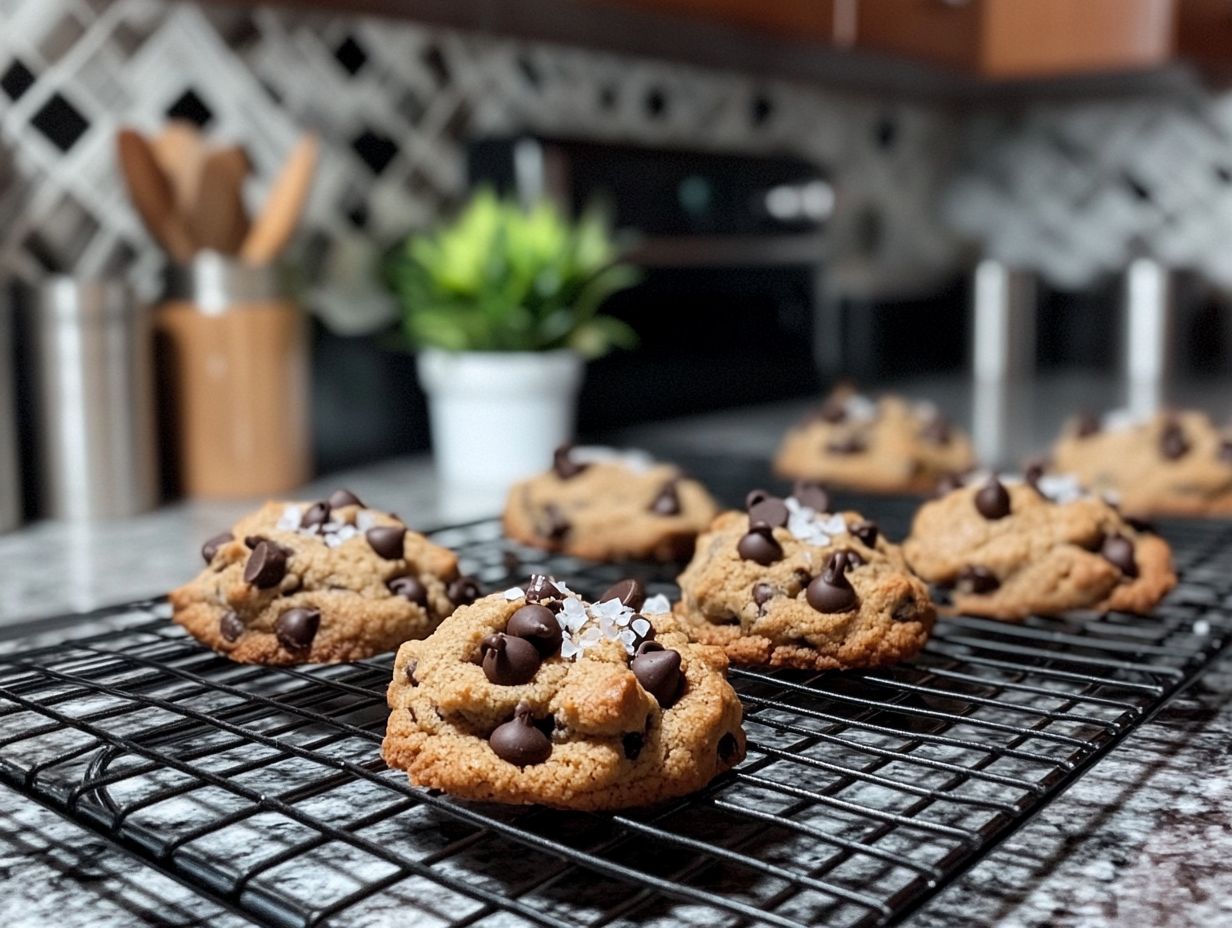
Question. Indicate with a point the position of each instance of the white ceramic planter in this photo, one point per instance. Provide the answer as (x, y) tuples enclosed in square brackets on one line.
[(497, 416)]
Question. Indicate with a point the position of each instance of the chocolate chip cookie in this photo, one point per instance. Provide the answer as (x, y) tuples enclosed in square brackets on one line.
[(535, 695), (1010, 549), (886, 446), (1175, 463), (606, 505), (318, 583), (788, 583)]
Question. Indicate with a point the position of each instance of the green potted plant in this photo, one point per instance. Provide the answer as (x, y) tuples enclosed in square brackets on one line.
[(503, 304)]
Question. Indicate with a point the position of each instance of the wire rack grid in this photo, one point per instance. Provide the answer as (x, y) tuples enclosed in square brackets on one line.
[(862, 795)]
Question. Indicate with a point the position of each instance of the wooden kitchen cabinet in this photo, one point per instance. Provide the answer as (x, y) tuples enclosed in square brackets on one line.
[(801, 19), (1021, 38), (1204, 32)]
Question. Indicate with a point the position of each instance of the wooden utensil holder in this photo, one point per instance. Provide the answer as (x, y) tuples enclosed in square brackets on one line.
[(234, 360)]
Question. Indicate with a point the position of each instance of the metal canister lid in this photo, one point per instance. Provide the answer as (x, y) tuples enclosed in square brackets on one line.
[(215, 282)]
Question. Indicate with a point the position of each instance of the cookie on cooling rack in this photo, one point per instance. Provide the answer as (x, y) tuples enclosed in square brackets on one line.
[(888, 445), (536, 695), (1008, 549), (789, 583), (1174, 463), (317, 583), (608, 505)]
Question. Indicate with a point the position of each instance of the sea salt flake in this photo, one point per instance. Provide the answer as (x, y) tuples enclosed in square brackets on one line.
[(1061, 488), (610, 607), (640, 627), (1118, 419), (365, 519), (568, 650), (657, 605), (860, 408), (591, 636), (514, 593), (290, 520), (834, 525)]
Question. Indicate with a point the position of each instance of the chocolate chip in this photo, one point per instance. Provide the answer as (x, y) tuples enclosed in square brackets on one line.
[(976, 579), (552, 524), (540, 588), (411, 666), (1033, 473), (632, 744), (866, 531), (316, 514), (537, 625), (759, 546), (563, 464), (230, 626), (386, 540), (630, 592), (666, 501), (812, 494), (266, 566), (251, 541), (296, 628), (768, 510), (210, 548), (643, 632), (763, 593), (905, 611), (852, 444), (463, 591), (728, 748), (409, 588), (937, 431), (833, 410), (1087, 424), (832, 591), (1119, 551), (518, 741), (993, 499), (340, 498), (1172, 441), (948, 483), (509, 660), (658, 671)]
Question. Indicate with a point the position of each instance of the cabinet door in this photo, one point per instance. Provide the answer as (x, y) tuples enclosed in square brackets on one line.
[(1021, 38), (804, 19), (1204, 32)]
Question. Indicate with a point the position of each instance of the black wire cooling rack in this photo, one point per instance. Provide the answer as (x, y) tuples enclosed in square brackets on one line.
[(862, 795)]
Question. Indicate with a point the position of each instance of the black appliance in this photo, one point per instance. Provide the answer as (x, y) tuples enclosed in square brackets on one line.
[(731, 248)]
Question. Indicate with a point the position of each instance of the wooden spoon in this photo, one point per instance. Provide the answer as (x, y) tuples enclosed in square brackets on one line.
[(181, 152), (276, 221), (218, 218), (151, 193)]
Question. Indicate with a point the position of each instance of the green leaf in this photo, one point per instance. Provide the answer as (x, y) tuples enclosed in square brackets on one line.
[(503, 278)]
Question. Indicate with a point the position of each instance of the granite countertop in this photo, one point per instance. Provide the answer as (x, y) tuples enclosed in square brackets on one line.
[(1142, 839)]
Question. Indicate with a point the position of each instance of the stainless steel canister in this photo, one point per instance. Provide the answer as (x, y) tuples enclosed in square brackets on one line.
[(10, 478), (94, 385)]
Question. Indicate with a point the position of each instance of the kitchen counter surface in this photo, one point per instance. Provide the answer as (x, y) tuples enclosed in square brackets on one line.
[(1142, 839)]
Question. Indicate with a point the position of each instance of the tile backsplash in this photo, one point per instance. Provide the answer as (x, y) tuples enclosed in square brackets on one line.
[(1071, 189), (394, 103)]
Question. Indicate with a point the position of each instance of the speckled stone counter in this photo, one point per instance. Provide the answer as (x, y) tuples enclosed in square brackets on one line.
[(1143, 839)]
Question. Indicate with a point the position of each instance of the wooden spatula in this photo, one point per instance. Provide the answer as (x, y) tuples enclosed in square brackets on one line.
[(274, 224), (219, 220), (152, 195)]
